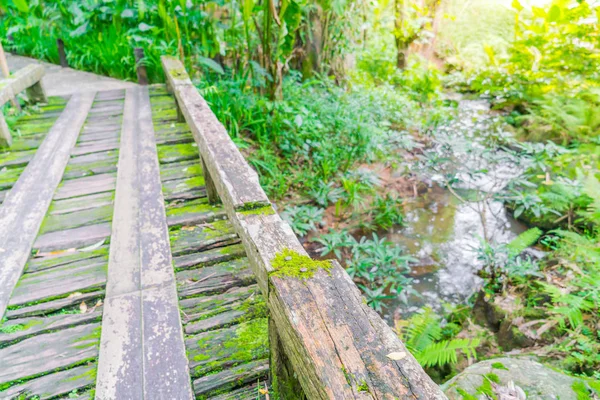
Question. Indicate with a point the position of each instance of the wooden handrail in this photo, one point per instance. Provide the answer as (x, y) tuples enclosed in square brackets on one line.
[(27, 78), (326, 343)]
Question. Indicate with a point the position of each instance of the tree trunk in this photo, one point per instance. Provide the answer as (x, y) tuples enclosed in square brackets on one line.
[(401, 45)]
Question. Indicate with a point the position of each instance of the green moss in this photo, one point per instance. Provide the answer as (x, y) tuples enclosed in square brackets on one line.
[(11, 328), (177, 152), (264, 210), (581, 390), (465, 395), (218, 229), (498, 365), (346, 375), (363, 387), (289, 263), (93, 339), (493, 377), (252, 339), (89, 375), (253, 205)]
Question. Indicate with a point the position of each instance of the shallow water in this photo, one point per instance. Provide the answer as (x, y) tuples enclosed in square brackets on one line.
[(443, 232)]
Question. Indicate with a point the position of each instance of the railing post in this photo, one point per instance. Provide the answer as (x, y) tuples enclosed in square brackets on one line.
[(5, 136), (6, 73), (211, 190), (36, 93), (61, 53), (282, 373), (142, 75)]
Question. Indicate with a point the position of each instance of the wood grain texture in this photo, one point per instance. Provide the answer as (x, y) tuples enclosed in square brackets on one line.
[(26, 204)]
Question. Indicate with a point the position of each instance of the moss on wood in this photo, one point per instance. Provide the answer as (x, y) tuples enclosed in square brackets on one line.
[(289, 263)]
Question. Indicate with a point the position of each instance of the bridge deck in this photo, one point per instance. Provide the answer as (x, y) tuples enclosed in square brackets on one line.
[(99, 307)]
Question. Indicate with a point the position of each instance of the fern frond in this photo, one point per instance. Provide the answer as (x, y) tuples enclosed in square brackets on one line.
[(445, 352), (423, 330), (524, 240)]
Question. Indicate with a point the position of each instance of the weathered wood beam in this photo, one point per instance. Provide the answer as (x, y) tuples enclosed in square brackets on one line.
[(26, 204), (142, 352), (322, 330), (25, 78)]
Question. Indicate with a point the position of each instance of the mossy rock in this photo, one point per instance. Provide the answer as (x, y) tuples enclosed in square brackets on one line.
[(486, 313), (491, 379), (510, 337)]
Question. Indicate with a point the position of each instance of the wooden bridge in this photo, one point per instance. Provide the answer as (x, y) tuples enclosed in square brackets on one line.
[(140, 259)]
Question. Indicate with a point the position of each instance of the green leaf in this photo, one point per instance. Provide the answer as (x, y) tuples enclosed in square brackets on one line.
[(524, 240), (21, 5), (211, 64), (145, 27), (517, 5), (80, 30), (554, 13)]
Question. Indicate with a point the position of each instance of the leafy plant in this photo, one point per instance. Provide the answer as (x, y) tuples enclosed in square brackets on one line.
[(303, 219), (422, 335)]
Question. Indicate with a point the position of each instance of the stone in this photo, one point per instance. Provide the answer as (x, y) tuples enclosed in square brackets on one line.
[(536, 380)]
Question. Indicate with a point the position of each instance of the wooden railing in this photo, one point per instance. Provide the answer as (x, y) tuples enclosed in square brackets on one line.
[(29, 79), (326, 343)]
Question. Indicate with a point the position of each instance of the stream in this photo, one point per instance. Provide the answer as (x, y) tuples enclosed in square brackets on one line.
[(444, 232)]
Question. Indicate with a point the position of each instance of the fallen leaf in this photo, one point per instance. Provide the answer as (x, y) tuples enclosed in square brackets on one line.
[(83, 307), (93, 247), (76, 294), (397, 355)]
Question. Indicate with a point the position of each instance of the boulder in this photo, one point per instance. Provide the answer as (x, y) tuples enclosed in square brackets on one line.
[(513, 379)]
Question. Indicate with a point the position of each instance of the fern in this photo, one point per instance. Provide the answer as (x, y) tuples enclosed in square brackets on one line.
[(524, 240), (591, 187), (422, 334), (445, 352)]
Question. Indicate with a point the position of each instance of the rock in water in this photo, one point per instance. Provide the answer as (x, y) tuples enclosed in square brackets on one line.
[(511, 378)]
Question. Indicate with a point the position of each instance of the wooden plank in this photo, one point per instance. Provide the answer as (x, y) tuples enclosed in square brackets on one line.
[(76, 238), (233, 378), (182, 170), (50, 352), (214, 279), (209, 257), (22, 79), (142, 353), (54, 385), (25, 328), (25, 206), (73, 300), (206, 313), (77, 219), (194, 239), (58, 282), (95, 147), (120, 363), (166, 376), (226, 347), (86, 186), (82, 203), (36, 264)]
